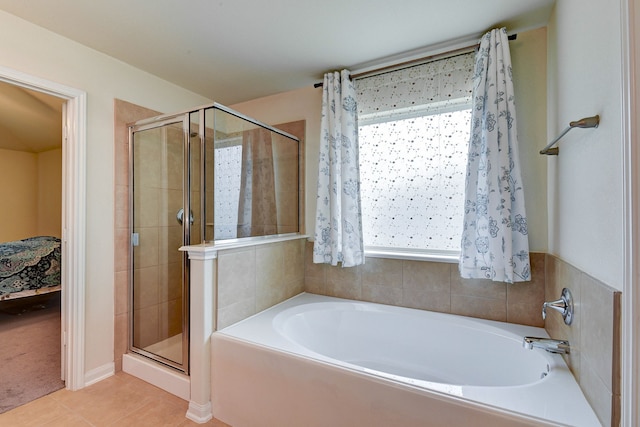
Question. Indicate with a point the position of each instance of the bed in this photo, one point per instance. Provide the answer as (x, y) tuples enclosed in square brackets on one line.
[(29, 267)]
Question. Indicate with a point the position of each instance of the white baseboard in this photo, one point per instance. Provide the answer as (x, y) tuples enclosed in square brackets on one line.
[(98, 374), (158, 375)]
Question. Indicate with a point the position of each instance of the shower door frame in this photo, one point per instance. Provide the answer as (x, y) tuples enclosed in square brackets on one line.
[(183, 119)]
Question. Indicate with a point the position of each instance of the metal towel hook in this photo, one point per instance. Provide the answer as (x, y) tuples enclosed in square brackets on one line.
[(587, 122)]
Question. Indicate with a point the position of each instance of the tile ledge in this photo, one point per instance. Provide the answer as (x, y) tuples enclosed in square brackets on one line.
[(210, 250)]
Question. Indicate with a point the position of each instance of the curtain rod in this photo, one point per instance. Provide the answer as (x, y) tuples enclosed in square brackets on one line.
[(416, 61)]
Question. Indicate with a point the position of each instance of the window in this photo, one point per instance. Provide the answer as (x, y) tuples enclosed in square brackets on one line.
[(414, 127)]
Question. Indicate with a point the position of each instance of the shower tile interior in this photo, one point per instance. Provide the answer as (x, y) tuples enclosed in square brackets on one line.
[(124, 113)]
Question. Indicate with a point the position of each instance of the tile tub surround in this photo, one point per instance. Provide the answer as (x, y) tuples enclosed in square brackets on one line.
[(254, 278), (594, 335), (433, 286)]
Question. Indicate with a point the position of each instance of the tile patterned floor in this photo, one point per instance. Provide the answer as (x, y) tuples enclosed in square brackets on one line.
[(121, 400)]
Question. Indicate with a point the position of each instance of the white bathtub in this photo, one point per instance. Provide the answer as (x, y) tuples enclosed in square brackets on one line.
[(316, 360)]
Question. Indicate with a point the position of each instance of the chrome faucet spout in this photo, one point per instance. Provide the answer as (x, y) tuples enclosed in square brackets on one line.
[(547, 344)]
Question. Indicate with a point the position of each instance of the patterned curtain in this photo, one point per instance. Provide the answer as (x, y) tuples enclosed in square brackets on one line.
[(257, 214), (494, 238), (338, 232)]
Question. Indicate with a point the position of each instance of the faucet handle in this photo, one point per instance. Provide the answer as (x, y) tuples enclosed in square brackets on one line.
[(563, 305), (560, 305)]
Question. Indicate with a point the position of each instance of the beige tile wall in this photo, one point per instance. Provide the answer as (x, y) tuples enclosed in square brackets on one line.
[(431, 286), (157, 305), (594, 335), (255, 278), (124, 113)]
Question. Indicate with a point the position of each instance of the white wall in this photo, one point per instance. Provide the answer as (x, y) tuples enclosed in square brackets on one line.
[(529, 63), (50, 193), (18, 193), (33, 50), (585, 180)]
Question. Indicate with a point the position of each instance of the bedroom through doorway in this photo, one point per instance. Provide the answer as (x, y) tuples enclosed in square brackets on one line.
[(31, 161)]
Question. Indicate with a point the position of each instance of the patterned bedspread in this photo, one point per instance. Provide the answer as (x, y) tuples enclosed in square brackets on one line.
[(29, 264)]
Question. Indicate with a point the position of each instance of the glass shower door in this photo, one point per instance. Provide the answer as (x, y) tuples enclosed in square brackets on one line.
[(159, 282)]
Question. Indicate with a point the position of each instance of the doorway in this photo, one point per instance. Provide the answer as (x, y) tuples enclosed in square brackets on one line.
[(72, 324), (30, 232), (160, 163)]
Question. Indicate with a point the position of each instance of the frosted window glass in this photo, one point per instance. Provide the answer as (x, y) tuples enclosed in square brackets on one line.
[(228, 162), (414, 132)]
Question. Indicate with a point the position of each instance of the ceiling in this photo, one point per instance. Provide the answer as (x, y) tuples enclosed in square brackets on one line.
[(29, 120), (236, 50)]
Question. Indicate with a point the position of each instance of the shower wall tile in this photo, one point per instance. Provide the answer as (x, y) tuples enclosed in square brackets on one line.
[(169, 243), (426, 275), (598, 345), (148, 255), (298, 129), (481, 288), (559, 275), (121, 152), (426, 300), (149, 332), (170, 313), (124, 113), (382, 272), (315, 285), (433, 286), (121, 256), (318, 271), (121, 336), (122, 206), (293, 261), (168, 207), (598, 395), (147, 206), (146, 292), (345, 282), (235, 312), (382, 281), (594, 335), (484, 308), (121, 283), (524, 299), (236, 277), (269, 262), (169, 280), (382, 294), (255, 278)]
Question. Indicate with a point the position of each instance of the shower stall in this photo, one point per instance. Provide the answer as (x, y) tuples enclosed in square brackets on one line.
[(208, 175)]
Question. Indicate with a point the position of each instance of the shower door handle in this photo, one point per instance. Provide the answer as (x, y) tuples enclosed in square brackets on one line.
[(180, 215)]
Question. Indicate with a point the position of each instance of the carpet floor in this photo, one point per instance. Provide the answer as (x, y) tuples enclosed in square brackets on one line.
[(29, 349)]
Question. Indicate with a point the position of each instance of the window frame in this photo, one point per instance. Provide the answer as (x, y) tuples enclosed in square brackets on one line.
[(437, 107)]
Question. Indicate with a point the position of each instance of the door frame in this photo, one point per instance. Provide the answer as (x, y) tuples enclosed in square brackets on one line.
[(74, 125), (183, 120)]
